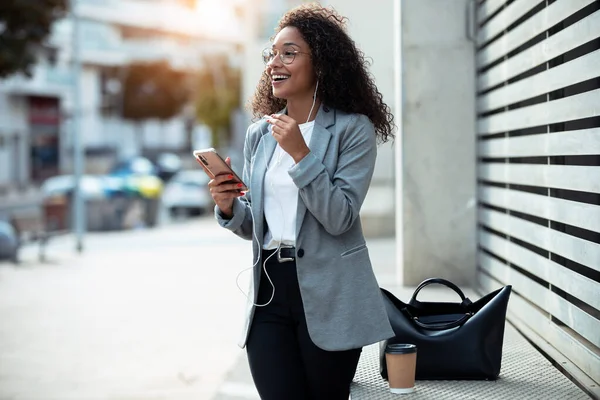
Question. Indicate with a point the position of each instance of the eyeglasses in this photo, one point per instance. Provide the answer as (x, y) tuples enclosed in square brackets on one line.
[(287, 55)]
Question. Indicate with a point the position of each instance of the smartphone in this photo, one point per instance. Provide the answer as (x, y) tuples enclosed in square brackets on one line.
[(213, 164)]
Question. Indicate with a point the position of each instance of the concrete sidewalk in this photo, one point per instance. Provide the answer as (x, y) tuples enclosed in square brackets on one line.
[(141, 315)]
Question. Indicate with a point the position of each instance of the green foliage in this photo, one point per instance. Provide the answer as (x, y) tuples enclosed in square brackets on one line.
[(24, 27), (218, 95), (153, 90)]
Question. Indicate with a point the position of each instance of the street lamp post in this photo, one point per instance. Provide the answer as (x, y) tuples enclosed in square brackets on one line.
[(79, 204)]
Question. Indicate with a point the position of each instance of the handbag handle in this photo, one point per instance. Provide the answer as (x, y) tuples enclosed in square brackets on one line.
[(430, 281), (464, 303)]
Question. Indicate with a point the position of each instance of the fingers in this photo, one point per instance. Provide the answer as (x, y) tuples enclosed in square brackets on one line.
[(219, 179), (277, 130), (280, 120), (282, 117), (223, 186), (281, 123), (224, 193), (223, 190), (275, 122)]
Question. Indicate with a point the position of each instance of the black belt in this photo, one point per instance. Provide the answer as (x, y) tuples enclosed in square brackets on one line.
[(285, 253)]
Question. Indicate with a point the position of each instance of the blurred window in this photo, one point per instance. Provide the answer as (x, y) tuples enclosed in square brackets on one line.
[(44, 150), (146, 34)]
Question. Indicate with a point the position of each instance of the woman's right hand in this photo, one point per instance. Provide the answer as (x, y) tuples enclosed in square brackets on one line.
[(223, 191)]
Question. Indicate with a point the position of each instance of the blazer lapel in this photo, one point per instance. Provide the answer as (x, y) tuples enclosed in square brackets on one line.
[(263, 154), (319, 142)]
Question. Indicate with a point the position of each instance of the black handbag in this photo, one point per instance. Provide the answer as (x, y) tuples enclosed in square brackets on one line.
[(454, 340)]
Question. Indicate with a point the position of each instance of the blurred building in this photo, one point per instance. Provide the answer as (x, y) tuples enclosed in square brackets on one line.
[(35, 113)]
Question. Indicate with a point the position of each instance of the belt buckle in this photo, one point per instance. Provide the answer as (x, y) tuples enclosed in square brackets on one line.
[(284, 259)]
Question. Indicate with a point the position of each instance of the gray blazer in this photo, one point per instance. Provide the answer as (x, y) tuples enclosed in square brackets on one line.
[(342, 300)]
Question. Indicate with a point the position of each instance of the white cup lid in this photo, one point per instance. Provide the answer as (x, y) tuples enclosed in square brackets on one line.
[(402, 390)]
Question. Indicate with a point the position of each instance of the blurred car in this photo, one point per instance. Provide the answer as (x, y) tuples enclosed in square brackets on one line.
[(9, 243), (137, 177), (92, 187), (134, 166), (167, 165), (57, 199), (187, 193)]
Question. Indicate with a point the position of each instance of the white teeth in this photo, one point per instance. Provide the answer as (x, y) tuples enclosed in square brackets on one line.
[(277, 77)]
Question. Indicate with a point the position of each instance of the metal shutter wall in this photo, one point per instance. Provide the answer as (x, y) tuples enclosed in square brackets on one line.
[(538, 132)]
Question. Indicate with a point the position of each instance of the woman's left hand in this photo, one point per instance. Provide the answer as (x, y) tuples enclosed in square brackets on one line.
[(288, 135)]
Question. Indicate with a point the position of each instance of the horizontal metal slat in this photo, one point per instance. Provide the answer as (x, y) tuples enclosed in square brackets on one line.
[(584, 105), (585, 358), (571, 247), (581, 69), (532, 27), (504, 19), (488, 8), (572, 316), (570, 143), (571, 37), (578, 286), (570, 177), (581, 215)]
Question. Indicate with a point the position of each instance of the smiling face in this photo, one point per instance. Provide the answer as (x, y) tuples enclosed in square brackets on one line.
[(297, 79)]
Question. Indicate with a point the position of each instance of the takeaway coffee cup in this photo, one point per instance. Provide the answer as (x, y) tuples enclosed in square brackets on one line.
[(401, 360)]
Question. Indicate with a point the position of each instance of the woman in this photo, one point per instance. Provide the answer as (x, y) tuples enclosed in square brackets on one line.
[(308, 164)]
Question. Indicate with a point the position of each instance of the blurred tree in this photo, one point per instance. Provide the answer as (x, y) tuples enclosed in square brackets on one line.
[(153, 90), (24, 27), (218, 95)]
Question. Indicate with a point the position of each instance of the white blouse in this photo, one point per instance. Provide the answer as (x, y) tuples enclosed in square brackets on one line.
[(281, 196)]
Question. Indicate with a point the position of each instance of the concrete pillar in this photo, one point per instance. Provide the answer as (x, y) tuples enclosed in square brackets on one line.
[(436, 155), (371, 27)]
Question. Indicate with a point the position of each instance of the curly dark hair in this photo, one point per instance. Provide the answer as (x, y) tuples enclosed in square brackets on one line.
[(344, 80)]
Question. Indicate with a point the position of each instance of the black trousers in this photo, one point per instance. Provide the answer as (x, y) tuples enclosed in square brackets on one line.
[(284, 362)]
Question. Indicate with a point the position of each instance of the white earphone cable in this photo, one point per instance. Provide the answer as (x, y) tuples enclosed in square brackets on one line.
[(314, 101), (264, 265)]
